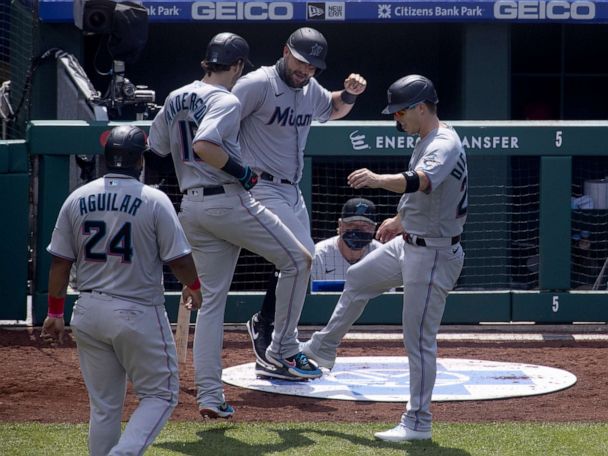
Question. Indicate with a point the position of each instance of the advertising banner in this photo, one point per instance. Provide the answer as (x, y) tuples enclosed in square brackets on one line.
[(522, 11)]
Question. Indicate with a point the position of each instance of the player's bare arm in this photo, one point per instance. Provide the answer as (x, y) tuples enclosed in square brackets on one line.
[(184, 269), (53, 327), (343, 100), (392, 182), (217, 157), (390, 228), (211, 153)]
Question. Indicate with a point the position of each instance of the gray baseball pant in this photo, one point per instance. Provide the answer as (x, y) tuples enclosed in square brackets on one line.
[(427, 274), (217, 227), (116, 339)]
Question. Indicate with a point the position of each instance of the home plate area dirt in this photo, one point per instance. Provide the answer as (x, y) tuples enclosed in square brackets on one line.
[(43, 383)]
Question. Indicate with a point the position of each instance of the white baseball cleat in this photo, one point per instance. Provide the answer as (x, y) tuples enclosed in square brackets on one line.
[(400, 433)]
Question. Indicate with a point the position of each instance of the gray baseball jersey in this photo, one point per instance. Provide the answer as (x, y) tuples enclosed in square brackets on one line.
[(427, 272), (276, 121), (178, 124), (119, 232), (440, 211), (329, 264), (218, 224)]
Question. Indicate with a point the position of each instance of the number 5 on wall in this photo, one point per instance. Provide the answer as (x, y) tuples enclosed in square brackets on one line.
[(558, 138), (555, 304)]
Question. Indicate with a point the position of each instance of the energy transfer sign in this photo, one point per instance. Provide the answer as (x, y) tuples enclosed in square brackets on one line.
[(386, 379)]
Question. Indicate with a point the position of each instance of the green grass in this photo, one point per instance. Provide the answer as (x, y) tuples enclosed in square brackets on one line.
[(235, 439)]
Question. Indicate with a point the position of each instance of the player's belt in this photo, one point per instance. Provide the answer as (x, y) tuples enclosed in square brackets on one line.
[(430, 242), (207, 191), (269, 177)]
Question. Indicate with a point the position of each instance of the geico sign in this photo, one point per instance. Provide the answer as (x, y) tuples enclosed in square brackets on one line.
[(251, 11), (553, 9)]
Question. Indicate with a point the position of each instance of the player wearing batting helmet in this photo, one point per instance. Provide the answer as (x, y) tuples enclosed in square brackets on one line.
[(278, 105), (422, 252), (220, 215), (117, 233)]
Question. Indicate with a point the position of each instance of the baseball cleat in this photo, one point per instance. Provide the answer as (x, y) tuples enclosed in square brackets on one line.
[(298, 365), (268, 371), (214, 411), (260, 333), (400, 433), (321, 362)]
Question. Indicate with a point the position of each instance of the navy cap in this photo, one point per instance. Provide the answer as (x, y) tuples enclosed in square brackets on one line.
[(359, 209)]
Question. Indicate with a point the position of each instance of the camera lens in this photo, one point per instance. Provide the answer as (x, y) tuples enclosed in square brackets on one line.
[(128, 90), (98, 21)]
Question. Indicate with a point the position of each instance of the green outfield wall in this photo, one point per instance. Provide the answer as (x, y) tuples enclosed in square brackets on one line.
[(552, 147)]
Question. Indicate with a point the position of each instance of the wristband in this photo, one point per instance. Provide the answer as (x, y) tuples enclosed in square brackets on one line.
[(55, 306), (347, 97), (412, 181), (196, 285), (233, 168)]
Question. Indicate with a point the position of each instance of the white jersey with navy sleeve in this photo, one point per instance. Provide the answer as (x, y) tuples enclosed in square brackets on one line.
[(329, 263), (441, 211), (276, 121), (179, 123), (119, 232)]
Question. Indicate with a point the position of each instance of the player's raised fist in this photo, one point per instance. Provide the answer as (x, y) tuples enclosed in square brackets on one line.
[(355, 84)]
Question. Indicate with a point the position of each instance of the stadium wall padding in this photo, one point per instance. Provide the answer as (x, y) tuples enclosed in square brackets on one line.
[(53, 142), (14, 230)]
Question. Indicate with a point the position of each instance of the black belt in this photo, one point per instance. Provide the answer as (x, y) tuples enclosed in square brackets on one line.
[(269, 177), (209, 191), (422, 243)]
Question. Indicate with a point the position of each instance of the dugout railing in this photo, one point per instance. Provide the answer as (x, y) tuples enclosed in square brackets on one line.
[(529, 208)]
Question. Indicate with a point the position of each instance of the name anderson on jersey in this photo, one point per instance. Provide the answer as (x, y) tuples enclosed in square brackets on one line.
[(107, 202), (189, 101)]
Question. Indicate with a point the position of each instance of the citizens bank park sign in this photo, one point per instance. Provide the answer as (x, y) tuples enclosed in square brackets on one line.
[(522, 11)]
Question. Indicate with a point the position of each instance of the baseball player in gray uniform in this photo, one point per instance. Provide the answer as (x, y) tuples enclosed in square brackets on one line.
[(423, 251), (199, 126), (117, 233), (278, 105), (356, 228)]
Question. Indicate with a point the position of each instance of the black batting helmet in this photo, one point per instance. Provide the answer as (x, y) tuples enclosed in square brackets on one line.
[(226, 49), (409, 91), (308, 45), (124, 148)]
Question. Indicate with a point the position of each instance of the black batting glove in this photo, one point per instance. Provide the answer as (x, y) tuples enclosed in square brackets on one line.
[(249, 179)]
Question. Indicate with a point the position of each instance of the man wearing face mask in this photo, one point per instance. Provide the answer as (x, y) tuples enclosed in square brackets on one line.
[(356, 228), (278, 105)]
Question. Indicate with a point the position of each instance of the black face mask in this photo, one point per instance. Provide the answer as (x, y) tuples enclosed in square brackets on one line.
[(357, 239)]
